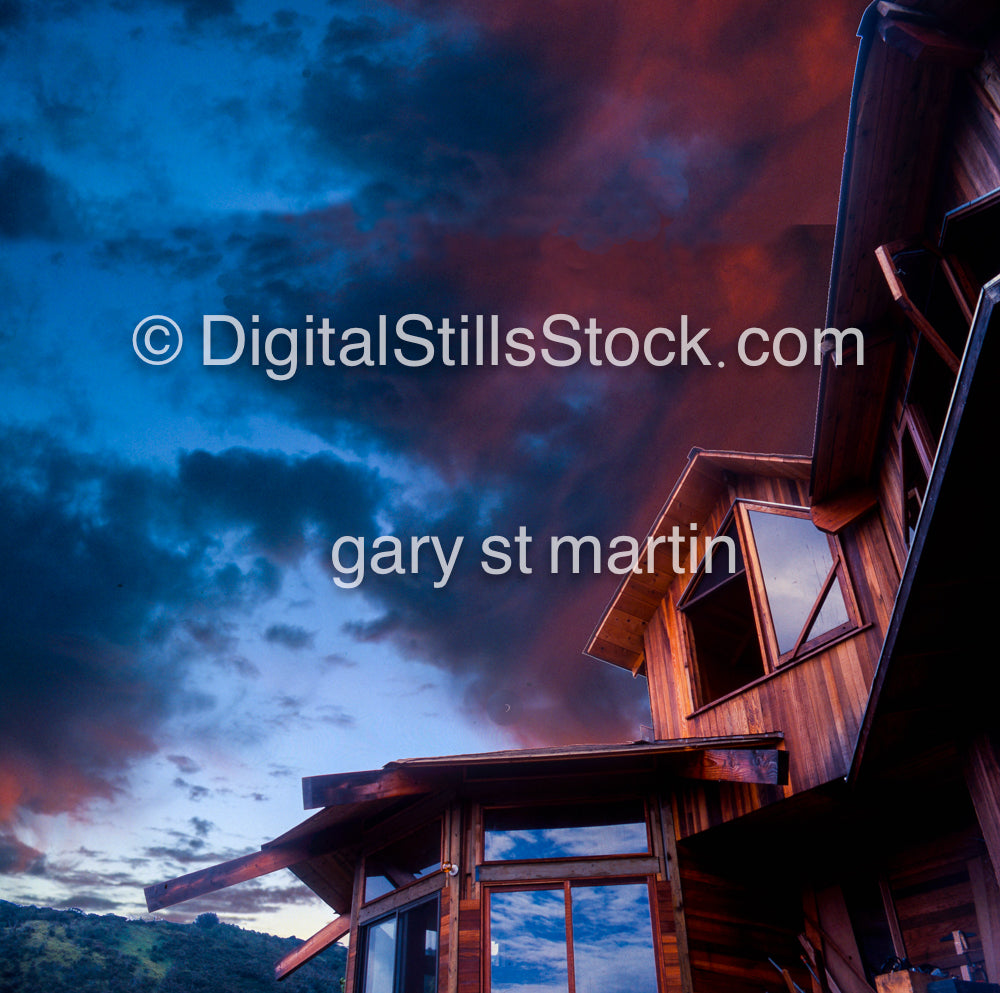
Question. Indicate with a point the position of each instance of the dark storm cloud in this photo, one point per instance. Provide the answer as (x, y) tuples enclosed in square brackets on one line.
[(290, 636), (33, 202), (183, 254), (283, 501), (114, 579), (245, 901), (15, 856), (12, 14), (562, 452), (437, 117), (89, 901), (201, 826), (184, 764)]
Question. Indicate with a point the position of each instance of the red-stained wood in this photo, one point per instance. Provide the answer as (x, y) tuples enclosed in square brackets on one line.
[(311, 947), (926, 44), (730, 765), (337, 790), (471, 968), (218, 877), (835, 514)]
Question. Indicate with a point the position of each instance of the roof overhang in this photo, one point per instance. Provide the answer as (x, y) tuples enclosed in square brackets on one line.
[(618, 637), (909, 57), (928, 688), (323, 849)]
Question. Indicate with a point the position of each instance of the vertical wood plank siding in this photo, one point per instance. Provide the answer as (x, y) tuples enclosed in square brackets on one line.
[(827, 691)]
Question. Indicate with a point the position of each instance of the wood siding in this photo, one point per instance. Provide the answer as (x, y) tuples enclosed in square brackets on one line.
[(736, 920), (817, 702), (971, 165)]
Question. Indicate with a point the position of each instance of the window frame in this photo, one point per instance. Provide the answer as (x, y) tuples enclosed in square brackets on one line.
[(364, 928), (773, 660), (492, 866), (373, 852), (564, 885)]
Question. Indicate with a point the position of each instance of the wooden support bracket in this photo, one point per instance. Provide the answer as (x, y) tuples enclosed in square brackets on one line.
[(311, 947)]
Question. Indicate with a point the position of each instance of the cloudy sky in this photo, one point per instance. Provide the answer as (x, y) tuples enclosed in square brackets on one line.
[(175, 652)]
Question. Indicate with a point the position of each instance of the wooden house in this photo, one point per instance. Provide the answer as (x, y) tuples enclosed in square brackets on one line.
[(821, 793)]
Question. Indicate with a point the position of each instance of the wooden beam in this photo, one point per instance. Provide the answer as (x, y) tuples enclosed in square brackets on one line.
[(735, 765), (311, 947), (987, 902), (356, 787), (892, 918), (669, 827), (833, 515), (884, 254), (982, 777), (218, 877), (922, 43), (626, 865)]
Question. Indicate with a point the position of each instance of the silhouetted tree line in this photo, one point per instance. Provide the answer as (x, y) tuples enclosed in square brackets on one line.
[(67, 951)]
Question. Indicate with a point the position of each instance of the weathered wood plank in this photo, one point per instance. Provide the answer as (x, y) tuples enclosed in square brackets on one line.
[(311, 947), (218, 877), (335, 790), (634, 865), (756, 765)]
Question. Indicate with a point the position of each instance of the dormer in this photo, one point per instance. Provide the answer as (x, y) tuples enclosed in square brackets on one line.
[(760, 614)]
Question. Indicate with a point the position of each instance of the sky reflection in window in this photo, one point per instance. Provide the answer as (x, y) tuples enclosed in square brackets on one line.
[(613, 949), (571, 830), (795, 559), (528, 942)]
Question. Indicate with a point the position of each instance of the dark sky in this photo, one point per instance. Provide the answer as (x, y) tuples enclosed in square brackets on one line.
[(176, 655)]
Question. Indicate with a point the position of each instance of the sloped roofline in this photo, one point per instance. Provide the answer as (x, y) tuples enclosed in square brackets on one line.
[(617, 638)]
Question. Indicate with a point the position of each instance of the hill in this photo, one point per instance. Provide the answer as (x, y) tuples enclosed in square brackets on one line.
[(66, 951)]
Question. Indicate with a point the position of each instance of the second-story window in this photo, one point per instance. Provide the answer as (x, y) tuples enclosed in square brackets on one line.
[(772, 589)]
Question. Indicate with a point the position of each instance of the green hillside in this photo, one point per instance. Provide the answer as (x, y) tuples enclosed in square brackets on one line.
[(65, 951)]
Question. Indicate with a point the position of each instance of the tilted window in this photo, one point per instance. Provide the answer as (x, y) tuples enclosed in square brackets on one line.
[(404, 861), (771, 588)]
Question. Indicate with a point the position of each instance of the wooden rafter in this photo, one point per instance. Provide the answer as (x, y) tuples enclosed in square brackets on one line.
[(217, 877), (311, 947), (342, 789)]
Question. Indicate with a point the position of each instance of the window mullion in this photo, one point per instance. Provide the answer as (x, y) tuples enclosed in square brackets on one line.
[(758, 592), (817, 606), (570, 967)]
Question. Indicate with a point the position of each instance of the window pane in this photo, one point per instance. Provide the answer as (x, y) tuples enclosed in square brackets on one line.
[(565, 831), (528, 942), (727, 651), (795, 559), (418, 944), (400, 951), (714, 569), (380, 956), (403, 861), (613, 939)]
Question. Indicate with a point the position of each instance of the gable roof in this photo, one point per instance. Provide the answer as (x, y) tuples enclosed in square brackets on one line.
[(618, 636)]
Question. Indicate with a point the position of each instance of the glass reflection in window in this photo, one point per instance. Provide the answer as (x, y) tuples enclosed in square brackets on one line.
[(404, 861), (528, 942), (611, 940), (795, 560), (400, 952), (565, 831)]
